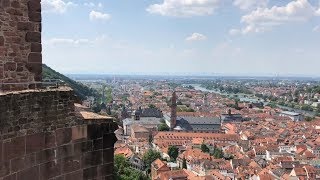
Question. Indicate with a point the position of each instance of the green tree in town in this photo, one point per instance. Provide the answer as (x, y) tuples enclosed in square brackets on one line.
[(152, 106), (173, 152), (184, 163), (163, 127), (204, 148), (150, 156), (217, 153), (123, 171)]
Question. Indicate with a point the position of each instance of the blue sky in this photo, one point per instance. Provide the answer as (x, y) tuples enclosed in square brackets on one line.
[(231, 37)]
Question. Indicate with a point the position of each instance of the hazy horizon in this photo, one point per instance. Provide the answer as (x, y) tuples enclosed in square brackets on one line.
[(229, 37)]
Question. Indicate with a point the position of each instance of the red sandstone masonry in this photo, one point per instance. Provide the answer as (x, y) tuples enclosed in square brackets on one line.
[(39, 141), (20, 43), (40, 136)]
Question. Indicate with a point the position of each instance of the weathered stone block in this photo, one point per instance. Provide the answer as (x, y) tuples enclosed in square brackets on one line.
[(46, 155), (90, 173), (35, 16), (109, 140), (36, 47), (65, 151), (25, 26), (11, 177), (93, 158), (97, 144), (50, 139), (1, 158), (63, 136), (50, 170), (1, 41), (10, 66), (77, 175), (30, 173), (105, 170), (35, 143), (71, 164), (14, 148), (20, 67), (14, 12), (21, 163), (34, 6), (94, 131), (82, 147), (108, 156), (35, 58), (4, 3), (79, 133), (33, 37), (15, 4), (4, 168)]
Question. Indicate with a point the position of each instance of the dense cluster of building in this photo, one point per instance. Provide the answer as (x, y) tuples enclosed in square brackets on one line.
[(254, 142)]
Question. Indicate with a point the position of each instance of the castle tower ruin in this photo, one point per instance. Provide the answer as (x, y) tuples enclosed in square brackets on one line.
[(20, 44)]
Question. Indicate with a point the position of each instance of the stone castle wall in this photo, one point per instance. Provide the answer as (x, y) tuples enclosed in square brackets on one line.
[(41, 138), (20, 43)]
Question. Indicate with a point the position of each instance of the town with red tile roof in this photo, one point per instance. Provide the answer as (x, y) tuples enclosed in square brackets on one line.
[(215, 129)]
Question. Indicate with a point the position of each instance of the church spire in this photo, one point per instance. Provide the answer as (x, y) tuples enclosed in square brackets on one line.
[(173, 110)]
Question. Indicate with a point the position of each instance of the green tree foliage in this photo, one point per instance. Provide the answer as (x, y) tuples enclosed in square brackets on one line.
[(122, 170), (217, 153), (150, 156), (152, 106), (184, 163), (80, 90), (272, 105), (173, 152), (204, 148), (108, 93), (96, 108), (163, 127), (228, 89), (228, 157), (307, 118), (306, 107)]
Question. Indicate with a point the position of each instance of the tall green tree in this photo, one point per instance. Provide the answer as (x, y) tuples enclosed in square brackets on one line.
[(122, 170), (150, 156), (173, 152), (184, 163), (163, 127), (204, 148), (218, 153)]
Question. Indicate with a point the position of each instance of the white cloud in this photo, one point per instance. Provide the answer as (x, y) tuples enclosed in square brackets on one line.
[(66, 41), (234, 32), (196, 37), (95, 15), (250, 4), (318, 12), (91, 4), (263, 19), (184, 8), (56, 6), (316, 29)]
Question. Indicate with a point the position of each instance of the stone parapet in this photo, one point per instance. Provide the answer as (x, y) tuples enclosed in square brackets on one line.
[(42, 137)]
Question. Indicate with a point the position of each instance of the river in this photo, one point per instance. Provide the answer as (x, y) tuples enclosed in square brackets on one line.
[(251, 98)]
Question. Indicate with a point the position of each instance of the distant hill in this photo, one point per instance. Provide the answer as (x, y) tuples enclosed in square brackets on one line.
[(80, 90)]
